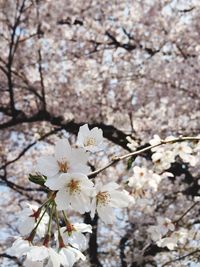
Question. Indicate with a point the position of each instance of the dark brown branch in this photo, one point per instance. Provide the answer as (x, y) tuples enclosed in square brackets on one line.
[(181, 258), (12, 49), (110, 132)]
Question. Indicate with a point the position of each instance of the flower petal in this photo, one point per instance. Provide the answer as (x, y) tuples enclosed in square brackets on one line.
[(62, 149), (47, 166), (62, 200), (119, 199), (106, 214)]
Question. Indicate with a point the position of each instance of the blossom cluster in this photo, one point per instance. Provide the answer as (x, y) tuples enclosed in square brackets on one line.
[(66, 175), (165, 155)]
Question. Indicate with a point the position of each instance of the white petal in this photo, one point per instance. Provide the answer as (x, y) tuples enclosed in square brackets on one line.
[(106, 214), (62, 200), (79, 155), (58, 182), (93, 207), (79, 255), (78, 240), (109, 186), (25, 227), (62, 149), (80, 202), (97, 134), (68, 257), (83, 227), (83, 132), (19, 247), (47, 166), (52, 183), (55, 258), (37, 253), (119, 199)]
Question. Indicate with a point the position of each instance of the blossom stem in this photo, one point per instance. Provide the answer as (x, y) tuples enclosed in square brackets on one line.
[(46, 202), (48, 235), (135, 153), (57, 222), (33, 232), (65, 218)]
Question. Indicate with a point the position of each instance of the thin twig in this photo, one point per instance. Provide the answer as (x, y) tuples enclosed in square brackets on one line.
[(135, 153), (186, 212), (181, 258)]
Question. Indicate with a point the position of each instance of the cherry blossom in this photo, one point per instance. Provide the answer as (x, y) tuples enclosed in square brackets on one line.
[(37, 255), (28, 218), (184, 151), (73, 235), (106, 198), (19, 248), (144, 179), (42, 253), (66, 160), (91, 140), (74, 189), (69, 255), (164, 226)]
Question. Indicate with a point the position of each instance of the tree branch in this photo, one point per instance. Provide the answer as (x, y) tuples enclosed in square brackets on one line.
[(140, 151)]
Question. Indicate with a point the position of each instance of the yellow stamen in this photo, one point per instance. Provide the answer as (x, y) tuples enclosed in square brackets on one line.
[(103, 198), (74, 186), (90, 141), (63, 166)]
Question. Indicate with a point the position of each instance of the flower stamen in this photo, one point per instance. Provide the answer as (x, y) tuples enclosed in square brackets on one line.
[(74, 186), (90, 141), (63, 166), (103, 198)]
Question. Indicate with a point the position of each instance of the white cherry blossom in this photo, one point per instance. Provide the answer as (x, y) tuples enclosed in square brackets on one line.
[(184, 151), (28, 218), (162, 228), (163, 158), (73, 235), (169, 242), (91, 140), (74, 189), (65, 160), (132, 144), (19, 248), (44, 254), (155, 141), (108, 197), (69, 255), (139, 178), (38, 255), (143, 179)]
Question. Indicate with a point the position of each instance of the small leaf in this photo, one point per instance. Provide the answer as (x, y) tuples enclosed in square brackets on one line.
[(37, 179), (130, 162)]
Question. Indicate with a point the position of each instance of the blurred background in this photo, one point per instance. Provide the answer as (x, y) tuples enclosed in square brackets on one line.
[(130, 67)]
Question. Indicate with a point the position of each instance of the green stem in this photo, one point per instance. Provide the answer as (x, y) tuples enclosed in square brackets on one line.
[(65, 218), (33, 232), (57, 221), (50, 219), (48, 235), (60, 239)]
